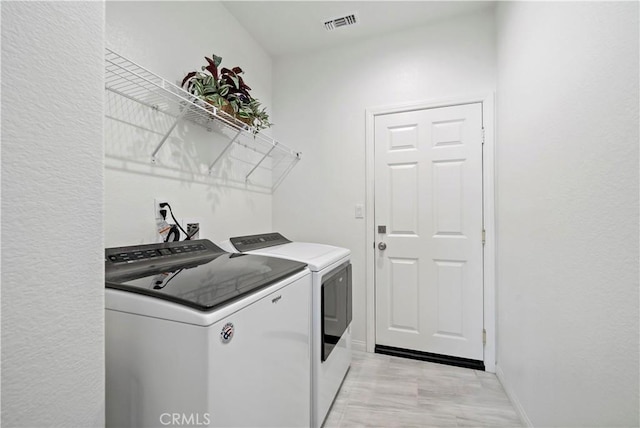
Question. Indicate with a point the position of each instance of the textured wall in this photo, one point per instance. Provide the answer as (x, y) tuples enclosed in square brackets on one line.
[(567, 213), (320, 106), (52, 250), (172, 39)]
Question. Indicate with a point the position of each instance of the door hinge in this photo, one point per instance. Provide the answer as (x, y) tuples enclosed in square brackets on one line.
[(484, 336), (483, 136), (484, 236)]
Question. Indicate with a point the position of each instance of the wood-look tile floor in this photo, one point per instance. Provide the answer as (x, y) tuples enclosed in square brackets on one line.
[(385, 391)]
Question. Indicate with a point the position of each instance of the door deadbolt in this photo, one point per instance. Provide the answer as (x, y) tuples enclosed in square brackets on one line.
[(382, 246), (382, 229)]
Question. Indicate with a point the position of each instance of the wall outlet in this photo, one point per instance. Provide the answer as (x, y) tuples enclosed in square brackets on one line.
[(193, 230), (161, 233), (191, 225), (157, 208)]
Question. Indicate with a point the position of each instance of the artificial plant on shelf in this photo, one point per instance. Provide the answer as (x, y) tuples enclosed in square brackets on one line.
[(208, 87), (226, 90)]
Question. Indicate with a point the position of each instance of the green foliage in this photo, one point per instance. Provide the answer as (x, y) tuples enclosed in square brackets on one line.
[(259, 115), (220, 87)]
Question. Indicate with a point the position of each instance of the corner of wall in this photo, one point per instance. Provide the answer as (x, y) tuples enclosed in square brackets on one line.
[(513, 398)]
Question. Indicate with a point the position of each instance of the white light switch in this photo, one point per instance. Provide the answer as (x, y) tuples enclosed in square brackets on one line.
[(359, 211)]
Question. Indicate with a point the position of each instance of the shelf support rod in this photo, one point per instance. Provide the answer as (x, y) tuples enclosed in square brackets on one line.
[(225, 150), (178, 119), (261, 160)]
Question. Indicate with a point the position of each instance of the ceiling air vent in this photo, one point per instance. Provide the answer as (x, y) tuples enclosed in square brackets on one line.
[(340, 22)]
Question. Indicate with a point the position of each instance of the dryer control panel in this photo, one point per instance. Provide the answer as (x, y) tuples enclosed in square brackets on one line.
[(256, 242)]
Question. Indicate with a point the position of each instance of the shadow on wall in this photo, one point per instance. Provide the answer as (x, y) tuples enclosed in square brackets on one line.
[(145, 134)]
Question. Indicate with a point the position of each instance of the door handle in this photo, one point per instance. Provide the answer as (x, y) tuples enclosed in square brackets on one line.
[(382, 246)]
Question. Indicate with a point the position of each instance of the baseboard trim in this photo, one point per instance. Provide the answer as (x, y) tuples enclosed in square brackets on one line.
[(432, 358), (359, 345), (513, 398)]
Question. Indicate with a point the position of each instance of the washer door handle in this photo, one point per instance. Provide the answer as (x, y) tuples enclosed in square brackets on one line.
[(382, 246)]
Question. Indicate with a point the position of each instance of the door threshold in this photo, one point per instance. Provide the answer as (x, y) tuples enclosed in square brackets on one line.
[(432, 358)]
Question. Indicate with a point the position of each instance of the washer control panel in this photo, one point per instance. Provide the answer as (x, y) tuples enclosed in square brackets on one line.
[(124, 262), (128, 255)]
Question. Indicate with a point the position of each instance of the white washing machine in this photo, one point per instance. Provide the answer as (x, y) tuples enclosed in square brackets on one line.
[(331, 310), (196, 336)]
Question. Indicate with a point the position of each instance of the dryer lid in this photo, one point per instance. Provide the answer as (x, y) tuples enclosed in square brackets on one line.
[(316, 256)]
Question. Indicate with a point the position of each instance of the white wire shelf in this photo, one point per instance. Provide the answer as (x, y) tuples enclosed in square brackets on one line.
[(134, 82)]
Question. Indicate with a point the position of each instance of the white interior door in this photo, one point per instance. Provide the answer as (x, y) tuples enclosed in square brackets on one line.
[(428, 194)]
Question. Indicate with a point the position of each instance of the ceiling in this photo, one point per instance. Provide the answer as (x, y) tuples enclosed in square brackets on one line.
[(290, 27)]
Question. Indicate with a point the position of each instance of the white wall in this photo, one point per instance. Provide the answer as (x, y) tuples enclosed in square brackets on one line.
[(320, 100), (171, 39), (567, 213), (52, 247)]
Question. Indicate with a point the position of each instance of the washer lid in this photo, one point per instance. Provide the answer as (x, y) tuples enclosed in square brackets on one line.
[(204, 278)]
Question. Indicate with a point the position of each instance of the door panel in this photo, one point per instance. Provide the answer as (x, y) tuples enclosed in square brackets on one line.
[(450, 284), (403, 137), (404, 303), (403, 188), (428, 192), (447, 197)]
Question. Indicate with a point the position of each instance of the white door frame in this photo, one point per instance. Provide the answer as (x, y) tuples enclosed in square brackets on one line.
[(489, 263)]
